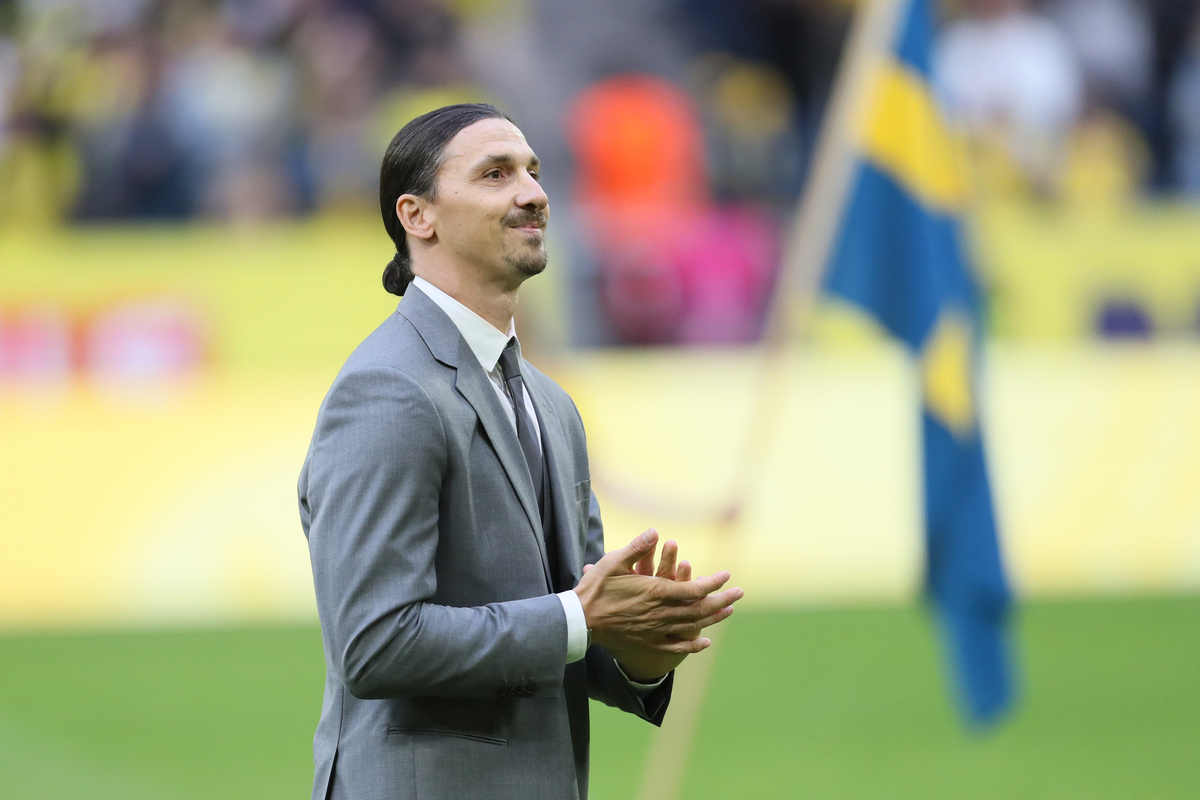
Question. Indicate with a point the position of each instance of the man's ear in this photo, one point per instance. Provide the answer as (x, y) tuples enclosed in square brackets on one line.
[(416, 216)]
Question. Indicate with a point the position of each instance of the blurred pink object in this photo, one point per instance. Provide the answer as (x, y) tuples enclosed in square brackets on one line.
[(144, 340), (35, 344), (726, 267), (702, 278)]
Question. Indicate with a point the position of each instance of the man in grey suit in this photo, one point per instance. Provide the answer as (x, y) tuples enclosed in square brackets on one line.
[(467, 606)]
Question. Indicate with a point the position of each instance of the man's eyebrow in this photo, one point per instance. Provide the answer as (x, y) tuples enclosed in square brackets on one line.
[(505, 160)]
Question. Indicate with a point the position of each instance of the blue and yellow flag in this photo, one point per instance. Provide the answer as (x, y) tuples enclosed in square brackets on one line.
[(900, 257)]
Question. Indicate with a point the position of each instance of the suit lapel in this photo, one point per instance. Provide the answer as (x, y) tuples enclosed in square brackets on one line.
[(473, 384), (449, 347), (562, 488)]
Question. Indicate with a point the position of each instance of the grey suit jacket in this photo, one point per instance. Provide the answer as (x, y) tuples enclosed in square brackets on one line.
[(445, 649)]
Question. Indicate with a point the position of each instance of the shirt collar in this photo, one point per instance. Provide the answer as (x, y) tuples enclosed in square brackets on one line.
[(485, 341)]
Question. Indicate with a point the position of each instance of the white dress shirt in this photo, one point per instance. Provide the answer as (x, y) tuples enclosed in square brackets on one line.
[(487, 343)]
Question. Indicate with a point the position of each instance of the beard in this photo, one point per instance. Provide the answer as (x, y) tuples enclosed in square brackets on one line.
[(531, 259), (529, 263)]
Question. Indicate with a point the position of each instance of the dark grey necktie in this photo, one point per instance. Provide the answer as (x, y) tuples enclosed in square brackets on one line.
[(510, 366)]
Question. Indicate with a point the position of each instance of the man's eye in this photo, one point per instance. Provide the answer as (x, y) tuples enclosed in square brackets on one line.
[(533, 173), (493, 173)]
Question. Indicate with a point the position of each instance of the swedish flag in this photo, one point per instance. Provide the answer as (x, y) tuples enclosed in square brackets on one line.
[(900, 257)]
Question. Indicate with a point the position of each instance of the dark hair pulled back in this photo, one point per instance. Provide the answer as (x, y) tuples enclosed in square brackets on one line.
[(410, 166)]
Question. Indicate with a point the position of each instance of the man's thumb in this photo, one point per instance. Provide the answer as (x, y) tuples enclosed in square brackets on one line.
[(634, 551)]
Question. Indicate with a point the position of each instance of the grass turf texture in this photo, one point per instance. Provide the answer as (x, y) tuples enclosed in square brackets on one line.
[(829, 704)]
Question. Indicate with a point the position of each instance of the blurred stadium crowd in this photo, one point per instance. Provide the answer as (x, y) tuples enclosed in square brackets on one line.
[(680, 128), (1079, 96), (256, 108)]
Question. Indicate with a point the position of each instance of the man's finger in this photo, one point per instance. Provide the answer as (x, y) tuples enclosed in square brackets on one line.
[(702, 587), (631, 553), (715, 602), (692, 630), (689, 613), (645, 564), (666, 562), (683, 572), (691, 591), (682, 646), (586, 567)]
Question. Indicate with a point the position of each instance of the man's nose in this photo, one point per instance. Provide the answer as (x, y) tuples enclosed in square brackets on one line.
[(532, 195)]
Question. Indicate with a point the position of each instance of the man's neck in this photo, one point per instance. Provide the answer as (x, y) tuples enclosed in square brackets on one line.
[(495, 304)]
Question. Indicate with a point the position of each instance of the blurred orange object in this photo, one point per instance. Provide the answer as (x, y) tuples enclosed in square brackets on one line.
[(638, 142)]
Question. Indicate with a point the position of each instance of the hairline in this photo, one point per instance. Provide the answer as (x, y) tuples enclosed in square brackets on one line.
[(443, 157)]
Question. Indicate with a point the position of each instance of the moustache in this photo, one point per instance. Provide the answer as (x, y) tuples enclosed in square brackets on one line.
[(525, 220)]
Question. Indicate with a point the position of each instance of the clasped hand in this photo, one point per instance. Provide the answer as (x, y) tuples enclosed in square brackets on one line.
[(651, 619)]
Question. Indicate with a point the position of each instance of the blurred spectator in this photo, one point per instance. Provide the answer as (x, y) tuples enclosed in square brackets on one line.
[(261, 22), (1113, 41), (1173, 22), (421, 37), (1185, 115), (1007, 73), (10, 68), (799, 41), (229, 105), (639, 178), (1107, 157), (87, 18), (673, 266), (339, 59), (754, 150), (39, 171), (638, 145), (1107, 162), (133, 165)]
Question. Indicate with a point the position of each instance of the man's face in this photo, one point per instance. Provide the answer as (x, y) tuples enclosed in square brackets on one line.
[(490, 211)]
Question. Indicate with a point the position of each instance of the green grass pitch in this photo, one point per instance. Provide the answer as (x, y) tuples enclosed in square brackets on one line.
[(803, 704)]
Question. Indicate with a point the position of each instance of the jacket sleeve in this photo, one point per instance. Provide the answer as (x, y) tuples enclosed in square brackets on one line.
[(369, 498)]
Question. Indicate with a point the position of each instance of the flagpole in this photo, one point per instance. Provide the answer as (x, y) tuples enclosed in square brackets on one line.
[(806, 254)]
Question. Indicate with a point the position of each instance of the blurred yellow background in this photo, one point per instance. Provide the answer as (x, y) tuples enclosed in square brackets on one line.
[(158, 498)]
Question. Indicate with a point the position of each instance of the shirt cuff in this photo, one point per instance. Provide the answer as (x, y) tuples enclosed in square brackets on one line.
[(577, 635), (641, 688)]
